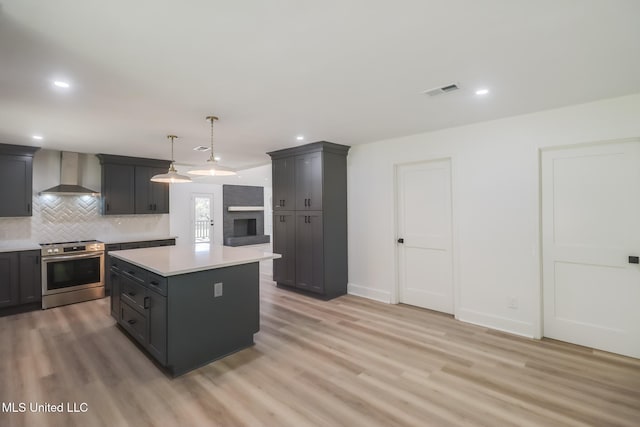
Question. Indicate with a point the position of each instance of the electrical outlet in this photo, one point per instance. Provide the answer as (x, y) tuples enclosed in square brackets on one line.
[(512, 302), (217, 289)]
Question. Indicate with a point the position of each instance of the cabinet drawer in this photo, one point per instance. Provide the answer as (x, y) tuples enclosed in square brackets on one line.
[(133, 293), (115, 263), (134, 322), (136, 273), (157, 283)]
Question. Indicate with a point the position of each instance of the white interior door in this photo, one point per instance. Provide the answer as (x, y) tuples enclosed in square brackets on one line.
[(590, 215), (425, 264), (202, 218)]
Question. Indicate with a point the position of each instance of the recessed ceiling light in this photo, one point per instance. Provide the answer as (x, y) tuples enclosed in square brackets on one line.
[(38, 137), (60, 83), (201, 148), (217, 158), (300, 137), (482, 91)]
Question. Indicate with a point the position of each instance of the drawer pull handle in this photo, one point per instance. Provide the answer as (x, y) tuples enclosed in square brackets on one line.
[(155, 283), (132, 321), (133, 294), (133, 273), (145, 304)]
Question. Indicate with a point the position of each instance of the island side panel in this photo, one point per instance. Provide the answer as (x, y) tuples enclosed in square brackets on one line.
[(202, 327)]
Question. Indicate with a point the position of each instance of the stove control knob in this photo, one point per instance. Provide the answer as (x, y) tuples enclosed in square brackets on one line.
[(49, 251), (56, 250)]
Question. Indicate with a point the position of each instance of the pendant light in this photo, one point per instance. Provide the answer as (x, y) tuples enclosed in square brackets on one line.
[(212, 168), (172, 176)]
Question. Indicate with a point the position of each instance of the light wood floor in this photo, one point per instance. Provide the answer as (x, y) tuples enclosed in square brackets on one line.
[(346, 362)]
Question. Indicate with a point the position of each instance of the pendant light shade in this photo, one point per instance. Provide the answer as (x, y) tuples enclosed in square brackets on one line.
[(212, 168), (172, 176)]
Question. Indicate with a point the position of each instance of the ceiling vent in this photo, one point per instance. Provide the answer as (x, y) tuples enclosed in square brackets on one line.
[(443, 89), (201, 148)]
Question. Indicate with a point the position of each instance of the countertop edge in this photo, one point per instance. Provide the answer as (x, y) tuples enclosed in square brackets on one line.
[(195, 269)]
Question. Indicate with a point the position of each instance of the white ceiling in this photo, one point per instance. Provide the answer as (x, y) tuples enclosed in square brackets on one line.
[(346, 71)]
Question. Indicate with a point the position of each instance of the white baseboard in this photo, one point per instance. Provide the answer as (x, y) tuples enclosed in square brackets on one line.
[(504, 324), (365, 292)]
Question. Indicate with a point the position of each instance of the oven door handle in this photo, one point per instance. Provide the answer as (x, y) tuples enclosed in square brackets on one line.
[(65, 257)]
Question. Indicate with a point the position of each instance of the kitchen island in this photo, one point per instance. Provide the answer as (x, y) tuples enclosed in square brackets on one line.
[(187, 305)]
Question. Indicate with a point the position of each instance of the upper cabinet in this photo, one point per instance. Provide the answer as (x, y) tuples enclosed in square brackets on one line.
[(151, 197), (16, 180), (283, 176), (309, 181), (127, 188)]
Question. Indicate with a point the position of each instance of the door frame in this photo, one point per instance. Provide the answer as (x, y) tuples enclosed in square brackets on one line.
[(455, 258), (538, 326)]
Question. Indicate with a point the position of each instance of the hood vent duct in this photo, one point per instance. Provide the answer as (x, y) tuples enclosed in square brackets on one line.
[(69, 178)]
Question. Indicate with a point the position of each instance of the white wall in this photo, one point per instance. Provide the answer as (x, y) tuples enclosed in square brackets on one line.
[(496, 205), (180, 208)]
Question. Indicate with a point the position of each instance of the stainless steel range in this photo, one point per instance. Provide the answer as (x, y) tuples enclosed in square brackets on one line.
[(72, 272)]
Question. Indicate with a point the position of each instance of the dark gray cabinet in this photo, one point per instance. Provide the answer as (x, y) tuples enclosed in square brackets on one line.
[(30, 277), (283, 179), (309, 251), (308, 181), (151, 197), (157, 326), (20, 278), (127, 188), (118, 189), (16, 180), (10, 282), (180, 320), (284, 243), (140, 307), (311, 237)]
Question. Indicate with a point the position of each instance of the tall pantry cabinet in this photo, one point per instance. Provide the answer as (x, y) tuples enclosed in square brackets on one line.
[(310, 218)]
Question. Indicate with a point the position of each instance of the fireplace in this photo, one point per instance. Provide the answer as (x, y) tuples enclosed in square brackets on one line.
[(243, 215), (244, 227)]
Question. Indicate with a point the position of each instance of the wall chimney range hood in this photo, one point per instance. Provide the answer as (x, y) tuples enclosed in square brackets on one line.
[(69, 178)]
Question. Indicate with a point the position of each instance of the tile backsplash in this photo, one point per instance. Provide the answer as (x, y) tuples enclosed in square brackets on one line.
[(67, 218)]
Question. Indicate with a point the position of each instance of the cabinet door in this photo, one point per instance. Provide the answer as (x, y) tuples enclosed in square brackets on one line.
[(15, 185), (133, 322), (151, 197), (284, 243), (283, 184), (9, 281), (159, 193), (118, 190), (30, 277), (309, 252), (156, 308), (308, 173)]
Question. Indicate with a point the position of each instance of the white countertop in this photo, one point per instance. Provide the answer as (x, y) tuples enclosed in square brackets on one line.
[(18, 245), (174, 260)]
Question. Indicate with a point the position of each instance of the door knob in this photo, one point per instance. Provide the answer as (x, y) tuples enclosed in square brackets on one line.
[(400, 240)]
